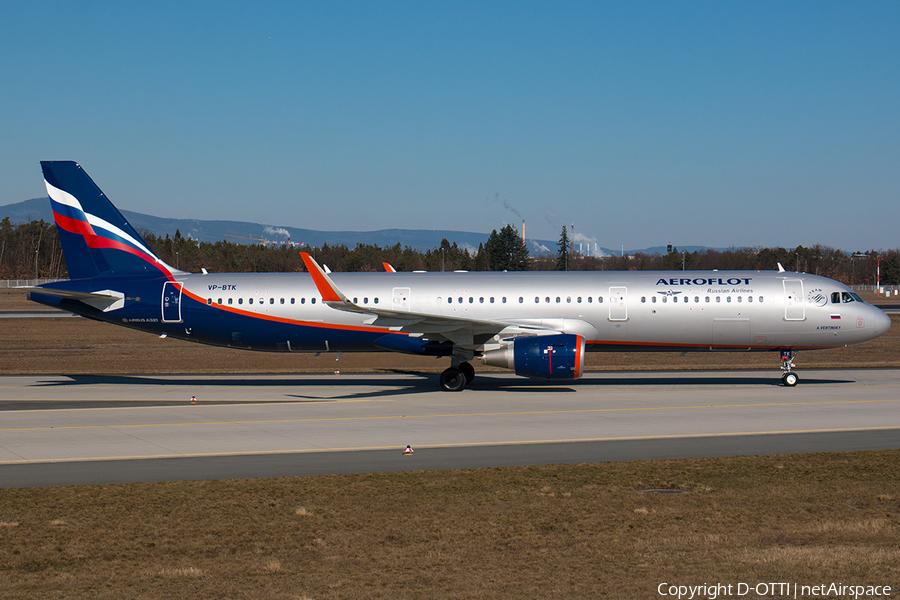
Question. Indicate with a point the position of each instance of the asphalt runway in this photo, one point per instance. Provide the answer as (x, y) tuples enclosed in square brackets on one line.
[(57, 430)]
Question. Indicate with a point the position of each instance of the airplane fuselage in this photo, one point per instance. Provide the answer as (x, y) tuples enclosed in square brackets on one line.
[(631, 310)]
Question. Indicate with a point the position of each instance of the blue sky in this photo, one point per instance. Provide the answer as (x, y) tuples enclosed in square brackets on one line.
[(645, 123)]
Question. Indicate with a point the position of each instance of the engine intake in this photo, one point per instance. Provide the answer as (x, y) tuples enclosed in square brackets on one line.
[(559, 356)]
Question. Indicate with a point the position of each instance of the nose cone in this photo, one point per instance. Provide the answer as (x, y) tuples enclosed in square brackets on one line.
[(881, 321)]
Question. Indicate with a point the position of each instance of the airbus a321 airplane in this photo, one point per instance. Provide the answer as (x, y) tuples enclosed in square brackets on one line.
[(539, 324)]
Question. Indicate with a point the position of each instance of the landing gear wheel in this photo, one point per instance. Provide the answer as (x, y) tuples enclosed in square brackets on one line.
[(468, 370), (789, 379), (453, 380)]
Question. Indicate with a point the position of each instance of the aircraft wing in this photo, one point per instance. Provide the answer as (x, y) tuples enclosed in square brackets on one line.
[(460, 330)]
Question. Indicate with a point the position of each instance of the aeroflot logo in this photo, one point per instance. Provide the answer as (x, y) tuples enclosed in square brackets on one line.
[(704, 281)]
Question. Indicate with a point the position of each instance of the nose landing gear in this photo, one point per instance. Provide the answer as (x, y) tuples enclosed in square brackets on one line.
[(788, 378)]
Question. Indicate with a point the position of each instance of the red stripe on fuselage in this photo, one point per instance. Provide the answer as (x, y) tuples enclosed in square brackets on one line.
[(638, 345)]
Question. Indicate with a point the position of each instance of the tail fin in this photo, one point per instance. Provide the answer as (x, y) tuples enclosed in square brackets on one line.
[(95, 237)]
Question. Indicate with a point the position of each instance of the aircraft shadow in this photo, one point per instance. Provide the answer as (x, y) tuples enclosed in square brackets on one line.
[(662, 380), (390, 384), (417, 382)]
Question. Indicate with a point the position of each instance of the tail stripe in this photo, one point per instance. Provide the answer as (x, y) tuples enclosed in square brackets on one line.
[(98, 233)]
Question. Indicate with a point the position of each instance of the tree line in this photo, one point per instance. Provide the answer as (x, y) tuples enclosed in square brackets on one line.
[(33, 249)]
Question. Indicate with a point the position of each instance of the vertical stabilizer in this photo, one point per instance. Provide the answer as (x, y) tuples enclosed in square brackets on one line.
[(95, 237)]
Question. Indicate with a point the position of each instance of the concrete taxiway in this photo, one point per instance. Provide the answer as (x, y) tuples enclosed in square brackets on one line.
[(57, 430)]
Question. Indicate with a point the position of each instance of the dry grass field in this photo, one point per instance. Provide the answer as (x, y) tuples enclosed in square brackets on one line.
[(608, 530), (611, 530)]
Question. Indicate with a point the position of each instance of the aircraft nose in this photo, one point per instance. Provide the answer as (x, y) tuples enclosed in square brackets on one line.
[(882, 322)]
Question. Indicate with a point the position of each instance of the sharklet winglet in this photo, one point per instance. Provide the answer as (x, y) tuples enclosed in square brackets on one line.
[(327, 288)]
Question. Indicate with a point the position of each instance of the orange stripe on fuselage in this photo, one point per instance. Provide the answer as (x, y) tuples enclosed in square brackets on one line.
[(285, 320)]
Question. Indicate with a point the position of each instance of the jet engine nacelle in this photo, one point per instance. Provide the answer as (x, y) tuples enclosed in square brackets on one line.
[(559, 356)]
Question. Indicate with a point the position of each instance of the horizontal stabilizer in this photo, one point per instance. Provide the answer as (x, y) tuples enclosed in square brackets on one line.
[(105, 300)]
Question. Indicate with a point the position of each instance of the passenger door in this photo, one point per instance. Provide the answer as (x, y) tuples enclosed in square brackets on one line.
[(171, 302), (794, 302)]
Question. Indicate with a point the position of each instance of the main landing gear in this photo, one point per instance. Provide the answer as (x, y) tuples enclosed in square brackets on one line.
[(456, 378), (789, 378)]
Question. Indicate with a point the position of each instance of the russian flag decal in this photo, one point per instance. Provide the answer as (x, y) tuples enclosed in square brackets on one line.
[(835, 317)]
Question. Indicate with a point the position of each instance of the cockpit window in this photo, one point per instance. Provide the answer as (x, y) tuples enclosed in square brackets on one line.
[(850, 297), (835, 297)]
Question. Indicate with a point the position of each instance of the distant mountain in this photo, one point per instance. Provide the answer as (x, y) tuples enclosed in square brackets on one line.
[(242, 232)]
